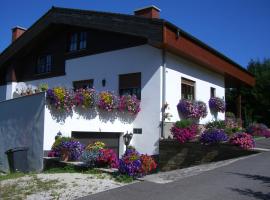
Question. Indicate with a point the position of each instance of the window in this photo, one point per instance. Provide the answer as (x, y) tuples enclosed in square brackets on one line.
[(130, 84), (44, 64), (187, 89), (77, 41), (73, 42), (213, 92), (83, 84)]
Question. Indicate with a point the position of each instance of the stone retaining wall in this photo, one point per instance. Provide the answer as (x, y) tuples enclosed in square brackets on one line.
[(173, 155)]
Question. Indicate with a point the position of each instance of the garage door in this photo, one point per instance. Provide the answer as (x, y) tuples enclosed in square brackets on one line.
[(110, 139)]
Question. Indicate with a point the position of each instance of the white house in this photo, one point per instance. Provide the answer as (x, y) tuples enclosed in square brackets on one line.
[(139, 54)]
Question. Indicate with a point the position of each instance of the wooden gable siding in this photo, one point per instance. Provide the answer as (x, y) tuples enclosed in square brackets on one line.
[(55, 43), (185, 47)]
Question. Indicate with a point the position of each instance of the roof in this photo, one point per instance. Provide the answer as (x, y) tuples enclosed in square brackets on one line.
[(152, 29)]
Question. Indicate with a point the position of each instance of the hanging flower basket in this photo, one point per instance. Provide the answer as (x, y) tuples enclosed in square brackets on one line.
[(216, 104), (192, 109), (129, 103)]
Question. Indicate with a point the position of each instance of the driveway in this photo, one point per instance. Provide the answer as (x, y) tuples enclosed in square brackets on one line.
[(246, 179)]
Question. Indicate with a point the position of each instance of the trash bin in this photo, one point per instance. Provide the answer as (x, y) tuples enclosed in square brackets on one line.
[(17, 159)]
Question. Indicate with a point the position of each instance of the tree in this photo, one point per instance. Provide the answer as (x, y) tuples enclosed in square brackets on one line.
[(256, 100)]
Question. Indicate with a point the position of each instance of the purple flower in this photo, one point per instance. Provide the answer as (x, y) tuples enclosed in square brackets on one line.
[(217, 104), (192, 109), (213, 136)]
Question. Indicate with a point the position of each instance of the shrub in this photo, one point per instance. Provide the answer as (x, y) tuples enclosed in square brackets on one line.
[(184, 131), (148, 164), (242, 140), (60, 99), (230, 115), (107, 101), (213, 136), (218, 124), (258, 129), (217, 104), (192, 109), (129, 103), (84, 98), (90, 158)]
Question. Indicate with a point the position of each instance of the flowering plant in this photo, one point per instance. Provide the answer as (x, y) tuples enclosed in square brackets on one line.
[(60, 98), (90, 157), (192, 109), (217, 104), (129, 103), (243, 140), (108, 157), (107, 101), (259, 130), (95, 146), (148, 164), (213, 136), (184, 131), (130, 163), (73, 147), (84, 97)]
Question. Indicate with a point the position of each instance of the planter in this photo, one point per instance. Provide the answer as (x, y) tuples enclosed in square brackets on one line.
[(64, 155)]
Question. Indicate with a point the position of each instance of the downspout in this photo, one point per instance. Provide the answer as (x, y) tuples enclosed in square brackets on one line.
[(163, 92)]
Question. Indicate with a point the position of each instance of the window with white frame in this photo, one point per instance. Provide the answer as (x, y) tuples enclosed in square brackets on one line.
[(187, 89)]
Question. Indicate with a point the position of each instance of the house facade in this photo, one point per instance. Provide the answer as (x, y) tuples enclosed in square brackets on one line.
[(138, 54)]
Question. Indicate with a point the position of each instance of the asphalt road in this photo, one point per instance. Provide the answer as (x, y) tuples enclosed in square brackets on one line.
[(247, 179)]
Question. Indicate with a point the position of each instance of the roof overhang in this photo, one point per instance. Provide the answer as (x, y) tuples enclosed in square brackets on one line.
[(182, 44)]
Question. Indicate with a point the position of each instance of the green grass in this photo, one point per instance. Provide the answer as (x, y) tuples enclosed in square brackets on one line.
[(72, 169), (11, 176), (123, 178), (31, 185)]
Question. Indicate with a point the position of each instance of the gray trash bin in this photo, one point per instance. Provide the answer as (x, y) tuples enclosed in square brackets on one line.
[(17, 159)]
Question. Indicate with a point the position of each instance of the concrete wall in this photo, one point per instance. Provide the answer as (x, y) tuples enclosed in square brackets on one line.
[(22, 125), (144, 59), (178, 68), (3, 92)]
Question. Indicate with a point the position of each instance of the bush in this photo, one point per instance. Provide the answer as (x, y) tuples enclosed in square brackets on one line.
[(213, 136), (243, 140), (257, 129), (184, 131), (148, 164), (229, 115), (90, 158), (97, 155), (218, 124)]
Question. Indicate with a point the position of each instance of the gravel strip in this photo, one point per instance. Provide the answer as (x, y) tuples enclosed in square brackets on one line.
[(62, 186)]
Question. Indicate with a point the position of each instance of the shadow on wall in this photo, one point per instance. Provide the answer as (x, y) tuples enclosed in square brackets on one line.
[(22, 125), (91, 113)]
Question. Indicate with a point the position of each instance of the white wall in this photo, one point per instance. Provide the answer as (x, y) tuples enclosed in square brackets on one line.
[(109, 65), (177, 68)]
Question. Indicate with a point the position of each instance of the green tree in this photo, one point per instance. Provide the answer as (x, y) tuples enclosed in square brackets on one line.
[(256, 100)]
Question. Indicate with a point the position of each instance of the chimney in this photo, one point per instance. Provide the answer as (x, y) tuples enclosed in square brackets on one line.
[(149, 12), (17, 32)]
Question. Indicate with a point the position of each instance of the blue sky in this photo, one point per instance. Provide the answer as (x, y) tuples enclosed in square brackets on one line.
[(240, 29)]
